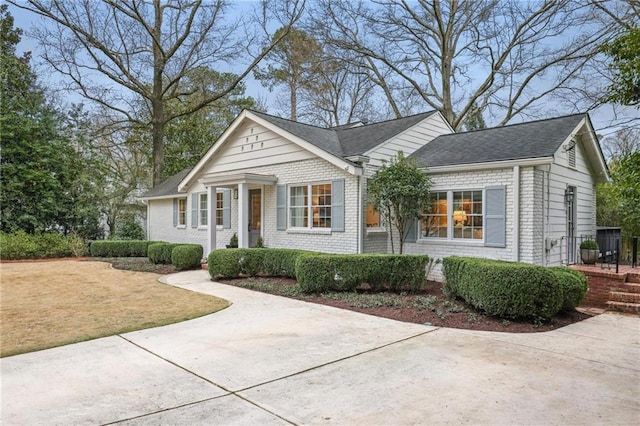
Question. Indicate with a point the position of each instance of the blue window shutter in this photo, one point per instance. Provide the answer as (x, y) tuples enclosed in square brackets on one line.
[(194, 209), (175, 212), (226, 208), (495, 216), (411, 231), (281, 207), (337, 205)]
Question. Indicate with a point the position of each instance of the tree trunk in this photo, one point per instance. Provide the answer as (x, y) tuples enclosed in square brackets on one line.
[(157, 105)]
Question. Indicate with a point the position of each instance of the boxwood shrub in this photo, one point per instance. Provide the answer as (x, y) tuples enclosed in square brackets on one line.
[(160, 253), (574, 286), (186, 256), (231, 263), (333, 272), (124, 248), (506, 289)]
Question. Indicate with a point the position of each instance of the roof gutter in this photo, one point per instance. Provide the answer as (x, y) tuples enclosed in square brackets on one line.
[(490, 165)]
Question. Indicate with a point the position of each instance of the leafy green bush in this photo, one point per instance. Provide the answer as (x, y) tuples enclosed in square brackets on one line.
[(505, 289), (126, 248), (129, 229), (160, 253), (233, 262), (20, 245), (186, 256), (346, 272), (589, 245), (574, 286)]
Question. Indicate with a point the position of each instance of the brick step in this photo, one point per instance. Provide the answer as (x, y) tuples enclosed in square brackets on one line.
[(633, 278), (626, 307), (622, 296), (627, 287)]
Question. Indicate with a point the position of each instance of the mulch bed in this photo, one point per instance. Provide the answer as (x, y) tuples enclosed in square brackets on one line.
[(442, 315)]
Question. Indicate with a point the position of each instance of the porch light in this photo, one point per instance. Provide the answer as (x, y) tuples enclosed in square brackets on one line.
[(235, 194), (568, 195)]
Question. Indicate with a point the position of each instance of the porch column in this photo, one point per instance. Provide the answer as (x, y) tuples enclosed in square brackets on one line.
[(243, 215), (211, 219)]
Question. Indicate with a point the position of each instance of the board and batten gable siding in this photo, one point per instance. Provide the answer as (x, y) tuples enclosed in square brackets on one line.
[(314, 170), (410, 140), (472, 180), (253, 145), (561, 176)]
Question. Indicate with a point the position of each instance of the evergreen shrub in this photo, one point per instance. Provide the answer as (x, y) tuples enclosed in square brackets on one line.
[(574, 286), (20, 245), (125, 248), (510, 290), (345, 272), (160, 253), (186, 256)]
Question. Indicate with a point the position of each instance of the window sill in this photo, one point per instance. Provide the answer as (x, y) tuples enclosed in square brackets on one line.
[(457, 242), (375, 230), (181, 226), (321, 231)]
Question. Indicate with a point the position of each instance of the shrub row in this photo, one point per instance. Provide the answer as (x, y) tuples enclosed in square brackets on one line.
[(160, 253), (182, 256), (123, 248), (231, 263), (318, 272), (512, 289), (20, 245), (338, 272)]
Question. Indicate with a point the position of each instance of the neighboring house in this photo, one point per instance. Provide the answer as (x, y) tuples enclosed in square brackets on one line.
[(301, 186)]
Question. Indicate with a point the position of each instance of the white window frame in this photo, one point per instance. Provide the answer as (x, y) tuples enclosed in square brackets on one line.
[(309, 206), (182, 214), (451, 221)]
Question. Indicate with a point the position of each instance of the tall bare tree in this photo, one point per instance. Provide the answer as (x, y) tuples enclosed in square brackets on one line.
[(124, 53), (459, 57)]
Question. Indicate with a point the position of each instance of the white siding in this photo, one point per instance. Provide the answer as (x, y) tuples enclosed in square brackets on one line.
[(561, 176), (410, 140), (531, 215), (253, 145)]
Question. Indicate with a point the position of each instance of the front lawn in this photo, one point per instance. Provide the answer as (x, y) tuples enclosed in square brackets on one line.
[(48, 304)]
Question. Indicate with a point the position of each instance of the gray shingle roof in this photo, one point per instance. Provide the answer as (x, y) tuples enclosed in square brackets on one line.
[(345, 142), (534, 139), (358, 140), (168, 187)]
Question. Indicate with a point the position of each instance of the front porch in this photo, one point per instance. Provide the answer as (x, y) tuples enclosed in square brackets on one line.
[(248, 190)]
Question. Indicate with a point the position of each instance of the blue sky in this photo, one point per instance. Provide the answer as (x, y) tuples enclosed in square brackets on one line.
[(603, 118)]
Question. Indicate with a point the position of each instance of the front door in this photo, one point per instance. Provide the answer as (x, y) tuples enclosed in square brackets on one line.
[(255, 216)]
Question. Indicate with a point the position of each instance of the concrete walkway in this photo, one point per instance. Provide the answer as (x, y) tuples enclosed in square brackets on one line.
[(272, 360)]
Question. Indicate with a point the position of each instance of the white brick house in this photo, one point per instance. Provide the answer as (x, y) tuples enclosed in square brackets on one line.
[(515, 192)]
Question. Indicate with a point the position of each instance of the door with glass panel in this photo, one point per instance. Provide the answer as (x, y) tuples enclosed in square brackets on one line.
[(255, 216)]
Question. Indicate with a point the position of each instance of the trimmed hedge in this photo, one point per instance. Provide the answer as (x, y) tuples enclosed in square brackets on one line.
[(124, 248), (338, 272), (186, 256), (160, 253), (574, 286), (506, 289), (231, 263)]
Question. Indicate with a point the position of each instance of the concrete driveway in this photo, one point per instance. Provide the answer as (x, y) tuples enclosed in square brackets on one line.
[(272, 360)]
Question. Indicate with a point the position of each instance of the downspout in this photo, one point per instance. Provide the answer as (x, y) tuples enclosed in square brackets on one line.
[(516, 213), (545, 216), (359, 248)]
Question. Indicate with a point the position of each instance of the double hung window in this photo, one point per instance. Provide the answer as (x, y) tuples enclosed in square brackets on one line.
[(310, 206), (454, 215)]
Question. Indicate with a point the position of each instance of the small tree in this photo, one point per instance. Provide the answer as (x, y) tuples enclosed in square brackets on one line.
[(399, 191)]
